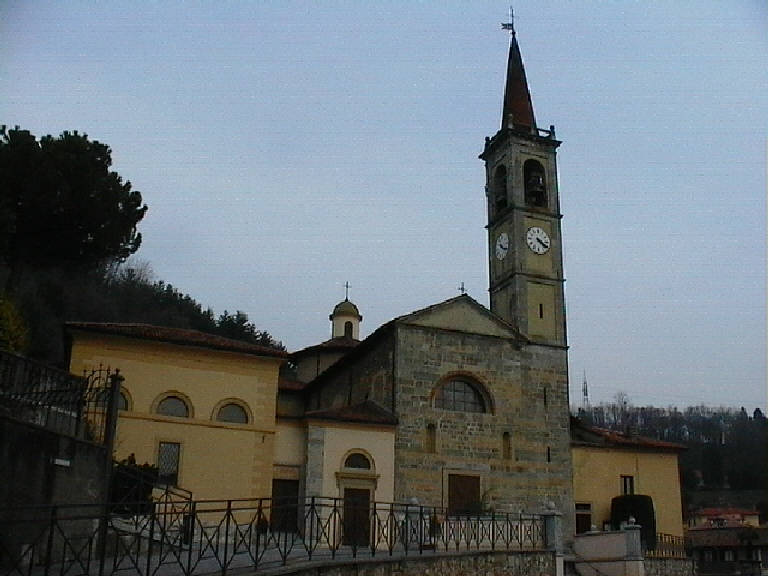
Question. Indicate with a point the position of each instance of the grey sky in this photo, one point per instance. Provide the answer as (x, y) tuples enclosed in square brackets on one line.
[(287, 147)]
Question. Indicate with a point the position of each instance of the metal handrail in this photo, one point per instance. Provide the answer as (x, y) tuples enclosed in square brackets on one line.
[(187, 537)]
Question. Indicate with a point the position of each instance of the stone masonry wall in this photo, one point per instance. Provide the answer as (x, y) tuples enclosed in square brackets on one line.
[(368, 378), (668, 567), (528, 388), (490, 564)]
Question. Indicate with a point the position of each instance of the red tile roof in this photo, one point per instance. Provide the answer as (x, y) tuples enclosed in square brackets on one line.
[(583, 435), (338, 344), (176, 336), (367, 412), (290, 384)]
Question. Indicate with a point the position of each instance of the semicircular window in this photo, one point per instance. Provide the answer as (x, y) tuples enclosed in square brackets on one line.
[(232, 413), (459, 396), (122, 401), (357, 460), (173, 406)]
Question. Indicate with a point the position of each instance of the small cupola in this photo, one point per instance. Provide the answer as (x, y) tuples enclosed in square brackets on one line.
[(345, 320)]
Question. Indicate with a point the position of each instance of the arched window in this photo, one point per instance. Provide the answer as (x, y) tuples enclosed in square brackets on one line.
[(460, 395), (535, 184), (358, 461), (173, 406), (122, 401), (232, 412), (347, 329), (500, 188)]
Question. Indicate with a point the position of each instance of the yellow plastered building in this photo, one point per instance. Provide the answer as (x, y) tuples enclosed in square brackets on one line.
[(607, 464), (200, 406)]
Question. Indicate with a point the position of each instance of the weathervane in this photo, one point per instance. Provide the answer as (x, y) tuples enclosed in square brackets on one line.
[(462, 289), (510, 25)]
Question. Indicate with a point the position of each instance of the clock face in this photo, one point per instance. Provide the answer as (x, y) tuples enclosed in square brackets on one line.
[(502, 246), (537, 239)]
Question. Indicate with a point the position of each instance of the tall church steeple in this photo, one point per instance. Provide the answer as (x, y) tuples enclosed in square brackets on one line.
[(518, 110), (524, 242)]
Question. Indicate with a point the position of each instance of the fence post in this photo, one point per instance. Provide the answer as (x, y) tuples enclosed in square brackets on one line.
[(553, 537), (49, 543), (110, 429)]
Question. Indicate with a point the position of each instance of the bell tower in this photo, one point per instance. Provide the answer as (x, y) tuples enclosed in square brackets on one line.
[(524, 241)]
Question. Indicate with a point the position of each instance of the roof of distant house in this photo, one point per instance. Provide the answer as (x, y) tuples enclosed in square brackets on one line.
[(177, 336), (583, 435)]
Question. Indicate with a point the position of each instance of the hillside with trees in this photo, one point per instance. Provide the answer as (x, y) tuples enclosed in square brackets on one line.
[(67, 225)]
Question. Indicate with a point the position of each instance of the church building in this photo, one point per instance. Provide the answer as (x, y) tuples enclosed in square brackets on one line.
[(455, 405)]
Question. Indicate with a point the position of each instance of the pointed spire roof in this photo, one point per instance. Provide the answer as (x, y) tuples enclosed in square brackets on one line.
[(518, 110)]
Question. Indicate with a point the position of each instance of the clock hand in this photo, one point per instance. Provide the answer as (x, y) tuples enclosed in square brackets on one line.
[(540, 241)]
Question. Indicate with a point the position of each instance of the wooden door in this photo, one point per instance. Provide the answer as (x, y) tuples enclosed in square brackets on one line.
[(463, 494), (285, 505), (357, 512)]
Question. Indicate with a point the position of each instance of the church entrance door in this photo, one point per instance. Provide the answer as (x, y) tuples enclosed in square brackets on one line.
[(357, 511), (463, 494)]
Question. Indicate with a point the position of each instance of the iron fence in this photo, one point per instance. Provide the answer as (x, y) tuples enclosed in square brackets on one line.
[(76, 406), (667, 546), (183, 537)]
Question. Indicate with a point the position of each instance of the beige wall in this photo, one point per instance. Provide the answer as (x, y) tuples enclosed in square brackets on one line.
[(218, 460), (542, 314), (290, 443), (597, 479), (342, 439)]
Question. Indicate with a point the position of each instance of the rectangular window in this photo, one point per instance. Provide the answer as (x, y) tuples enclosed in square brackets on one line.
[(583, 517), (627, 485), (168, 463), (431, 440)]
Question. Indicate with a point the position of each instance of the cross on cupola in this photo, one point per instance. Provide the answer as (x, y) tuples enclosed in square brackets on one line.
[(345, 318)]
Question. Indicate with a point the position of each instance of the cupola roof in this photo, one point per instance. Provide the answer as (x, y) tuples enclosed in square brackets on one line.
[(346, 308)]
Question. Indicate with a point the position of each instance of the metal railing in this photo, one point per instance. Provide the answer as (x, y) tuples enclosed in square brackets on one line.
[(55, 399), (178, 537), (667, 546)]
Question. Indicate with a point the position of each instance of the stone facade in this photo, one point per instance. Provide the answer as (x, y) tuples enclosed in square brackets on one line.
[(516, 448)]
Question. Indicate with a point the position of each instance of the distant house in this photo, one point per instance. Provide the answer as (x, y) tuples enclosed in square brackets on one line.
[(607, 464), (729, 549)]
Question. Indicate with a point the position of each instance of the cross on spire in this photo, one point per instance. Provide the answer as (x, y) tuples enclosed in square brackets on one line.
[(510, 25), (346, 290), (462, 289)]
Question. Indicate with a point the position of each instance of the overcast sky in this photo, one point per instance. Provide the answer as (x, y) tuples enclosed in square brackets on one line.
[(284, 148)]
